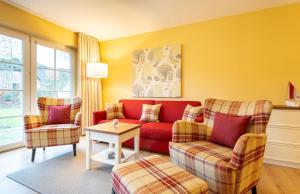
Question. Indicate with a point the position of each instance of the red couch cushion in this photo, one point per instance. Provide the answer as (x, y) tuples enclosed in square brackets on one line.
[(158, 131), (132, 109), (124, 121), (172, 111), (227, 129)]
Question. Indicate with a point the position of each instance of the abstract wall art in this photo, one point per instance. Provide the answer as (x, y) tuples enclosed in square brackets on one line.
[(157, 72)]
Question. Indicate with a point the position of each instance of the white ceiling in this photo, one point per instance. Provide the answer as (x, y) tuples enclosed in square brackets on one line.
[(109, 19)]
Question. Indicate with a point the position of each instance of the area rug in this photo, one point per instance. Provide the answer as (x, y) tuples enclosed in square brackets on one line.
[(65, 174)]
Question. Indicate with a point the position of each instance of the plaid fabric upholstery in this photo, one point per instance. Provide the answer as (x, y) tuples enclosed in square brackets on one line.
[(225, 170), (259, 110), (114, 111), (209, 161), (39, 134), (52, 135), (247, 157), (186, 131), (150, 113), (155, 174), (32, 121), (191, 112), (45, 102)]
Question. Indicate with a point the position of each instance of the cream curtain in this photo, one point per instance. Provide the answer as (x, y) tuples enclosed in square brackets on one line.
[(89, 88)]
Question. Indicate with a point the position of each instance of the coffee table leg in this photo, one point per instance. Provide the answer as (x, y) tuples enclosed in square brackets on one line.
[(137, 144), (88, 151), (118, 150)]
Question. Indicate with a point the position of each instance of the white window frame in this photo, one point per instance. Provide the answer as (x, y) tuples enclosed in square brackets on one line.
[(34, 42), (26, 78)]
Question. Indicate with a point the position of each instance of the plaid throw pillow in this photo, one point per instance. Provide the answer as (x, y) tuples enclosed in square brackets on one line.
[(191, 112), (114, 111), (150, 113)]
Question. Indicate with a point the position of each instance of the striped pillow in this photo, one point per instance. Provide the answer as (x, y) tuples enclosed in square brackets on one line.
[(114, 111), (150, 113), (191, 112)]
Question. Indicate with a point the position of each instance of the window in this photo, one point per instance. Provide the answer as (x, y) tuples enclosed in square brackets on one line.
[(54, 72), (14, 82)]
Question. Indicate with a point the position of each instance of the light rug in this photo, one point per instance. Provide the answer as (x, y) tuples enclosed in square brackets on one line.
[(66, 174)]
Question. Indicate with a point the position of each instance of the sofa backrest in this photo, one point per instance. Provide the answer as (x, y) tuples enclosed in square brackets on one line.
[(259, 110), (132, 108), (172, 111)]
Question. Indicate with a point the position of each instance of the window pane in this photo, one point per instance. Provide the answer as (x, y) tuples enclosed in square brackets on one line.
[(45, 79), (64, 95), (63, 81), (46, 94), (11, 76), (11, 49), (63, 60), (45, 57), (11, 130), (11, 103)]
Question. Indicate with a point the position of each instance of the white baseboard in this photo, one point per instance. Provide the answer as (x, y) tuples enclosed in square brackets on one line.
[(281, 162)]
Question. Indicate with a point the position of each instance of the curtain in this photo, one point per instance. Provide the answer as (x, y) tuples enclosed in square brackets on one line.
[(89, 88)]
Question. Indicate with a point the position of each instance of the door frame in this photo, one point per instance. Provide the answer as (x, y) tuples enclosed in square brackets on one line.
[(26, 79)]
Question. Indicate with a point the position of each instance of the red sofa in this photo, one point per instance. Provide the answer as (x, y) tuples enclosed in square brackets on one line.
[(154, 136)]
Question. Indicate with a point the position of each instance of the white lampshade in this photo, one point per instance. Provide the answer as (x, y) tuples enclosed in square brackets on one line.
[(97, 70)]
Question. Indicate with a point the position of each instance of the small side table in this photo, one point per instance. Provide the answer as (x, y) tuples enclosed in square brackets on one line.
[(106, 132)]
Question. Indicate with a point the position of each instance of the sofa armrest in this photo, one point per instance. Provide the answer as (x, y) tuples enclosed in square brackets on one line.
[(98, 116), (187, 131), (248, 149), (33, 121)]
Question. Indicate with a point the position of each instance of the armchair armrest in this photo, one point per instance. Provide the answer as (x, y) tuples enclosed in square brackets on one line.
[(98, 116), (33, 121), (77, 120), (248, 149), (187, 131)]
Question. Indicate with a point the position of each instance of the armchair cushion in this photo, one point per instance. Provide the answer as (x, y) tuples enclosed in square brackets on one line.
[(228, 128), (59, 114), (209, 161), (186, 131), (52, 135)]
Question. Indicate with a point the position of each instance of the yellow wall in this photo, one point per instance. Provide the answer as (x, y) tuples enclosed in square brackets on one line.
[(243, 57), (18, 19)]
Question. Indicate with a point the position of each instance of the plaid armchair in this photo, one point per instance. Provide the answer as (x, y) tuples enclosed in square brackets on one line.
[(226, 170), (38, 133)]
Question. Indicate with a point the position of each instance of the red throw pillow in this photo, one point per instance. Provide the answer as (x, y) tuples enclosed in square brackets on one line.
[(59, 114), (228, 128)]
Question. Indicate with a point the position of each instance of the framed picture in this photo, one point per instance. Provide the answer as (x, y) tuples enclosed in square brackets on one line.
[(157, 72)]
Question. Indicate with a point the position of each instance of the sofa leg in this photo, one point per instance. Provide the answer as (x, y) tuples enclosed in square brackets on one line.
[(44, 148), (113, 191), (253, 190), (33, 154), (74, 149)]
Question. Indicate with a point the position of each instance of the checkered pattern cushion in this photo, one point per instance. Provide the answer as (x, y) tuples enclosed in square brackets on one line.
[(45, 102), (226, 170), (150, 113), (191, 112), (259, 110), (52, 135), (155, 174), (114, 111)]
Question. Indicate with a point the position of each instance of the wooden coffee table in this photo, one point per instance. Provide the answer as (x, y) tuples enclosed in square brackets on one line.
[(106, 132)]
